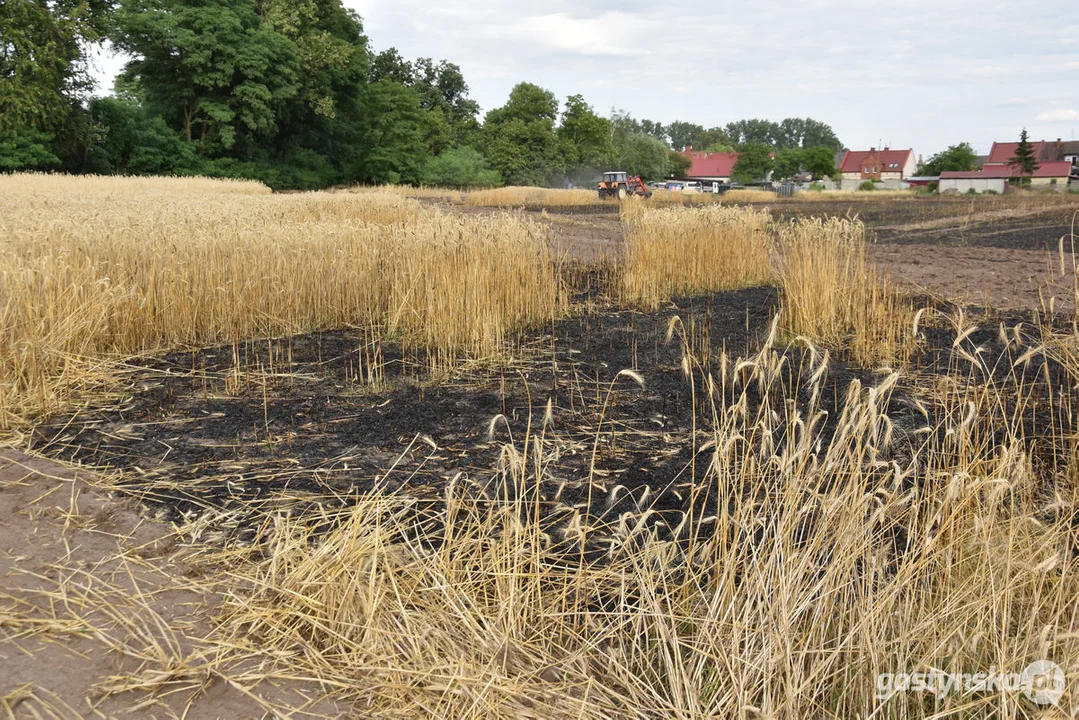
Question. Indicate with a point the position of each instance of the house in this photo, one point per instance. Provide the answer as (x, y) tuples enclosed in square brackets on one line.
[(1058, 164), (887, 166), (995, 177), (1045, 151), (1002, 153), (1062, 151), (710, 167)]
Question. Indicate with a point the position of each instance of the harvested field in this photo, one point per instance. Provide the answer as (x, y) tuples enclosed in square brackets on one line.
[(663, 486)]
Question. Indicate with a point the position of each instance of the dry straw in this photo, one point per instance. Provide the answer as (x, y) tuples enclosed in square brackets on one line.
[(821, 567), (94, 270), (531, 197), (673, 251)]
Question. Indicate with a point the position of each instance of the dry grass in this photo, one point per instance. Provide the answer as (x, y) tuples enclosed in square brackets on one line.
[(91, 272), (422, 192), (822, 569), (672, 251), (531, 197), (831, 294), (748, 196)]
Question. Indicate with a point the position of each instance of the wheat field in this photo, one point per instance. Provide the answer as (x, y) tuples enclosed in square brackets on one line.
[(946, 543), (94, 270)]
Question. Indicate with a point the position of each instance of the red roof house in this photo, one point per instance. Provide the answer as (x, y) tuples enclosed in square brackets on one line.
[(1046, 171), (1002, 153), (713, 167), (874, 164)]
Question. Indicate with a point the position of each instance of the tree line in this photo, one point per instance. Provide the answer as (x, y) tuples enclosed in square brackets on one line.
[(291, 92)]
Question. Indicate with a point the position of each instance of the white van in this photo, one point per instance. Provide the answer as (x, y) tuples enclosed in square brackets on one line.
[(692, 186)]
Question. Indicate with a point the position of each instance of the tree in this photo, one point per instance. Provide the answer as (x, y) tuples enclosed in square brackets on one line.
[(956, 157), (43, 58), (682, 134), (519, 139), (441, 88), (806, 133), (819, 162), (460, 167), (757, 131), (720, 147), (788, 162), (211, 66), (129, 140), (393, 145), (639, 154), (587, 136), (754, 163), (677, 163), (25, 148), (654, 129), (1025, 161)]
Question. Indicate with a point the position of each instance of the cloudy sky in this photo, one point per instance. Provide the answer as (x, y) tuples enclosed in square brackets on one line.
[(913, 73)]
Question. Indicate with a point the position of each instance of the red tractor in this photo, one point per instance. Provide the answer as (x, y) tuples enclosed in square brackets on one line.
[(620, 185)]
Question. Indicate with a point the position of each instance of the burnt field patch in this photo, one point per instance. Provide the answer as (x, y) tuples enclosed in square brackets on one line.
[(326, 417), (604, 420)]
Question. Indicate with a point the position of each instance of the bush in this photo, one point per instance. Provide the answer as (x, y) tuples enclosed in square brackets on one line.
[(459, 168), (25, 148), (815, 187), (971, 191), (867, 186)]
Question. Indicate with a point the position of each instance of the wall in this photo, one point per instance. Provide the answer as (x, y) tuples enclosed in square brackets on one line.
[(979, 185)]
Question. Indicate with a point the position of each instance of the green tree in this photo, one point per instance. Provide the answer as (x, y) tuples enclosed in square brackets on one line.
[(715, 137), (654, 129), (393, 148), (128, 140), (460, 167), (682, 134), (43, 58), (788, 162), (640, 154), (1025, 160), (25, 148), (441, 88), (806, 133), (756, 131), (819, 162), (677, 163), (754, 163), (212, 66), (519, 139), (586, 135), (956, 157)]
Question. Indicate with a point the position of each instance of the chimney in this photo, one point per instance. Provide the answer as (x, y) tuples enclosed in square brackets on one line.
[(872, 149), (886, 148)]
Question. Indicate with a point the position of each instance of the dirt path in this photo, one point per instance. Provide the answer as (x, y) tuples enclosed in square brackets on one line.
[(94, 600), (1009, 279)]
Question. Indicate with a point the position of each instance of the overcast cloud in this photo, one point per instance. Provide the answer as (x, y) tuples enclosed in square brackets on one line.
[(917, 73)]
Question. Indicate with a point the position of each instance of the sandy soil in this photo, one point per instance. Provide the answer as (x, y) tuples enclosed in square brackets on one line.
[(94, 599), (1008, 279)]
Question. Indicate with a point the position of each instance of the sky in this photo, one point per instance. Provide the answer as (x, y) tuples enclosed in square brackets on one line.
[(921, 74)]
